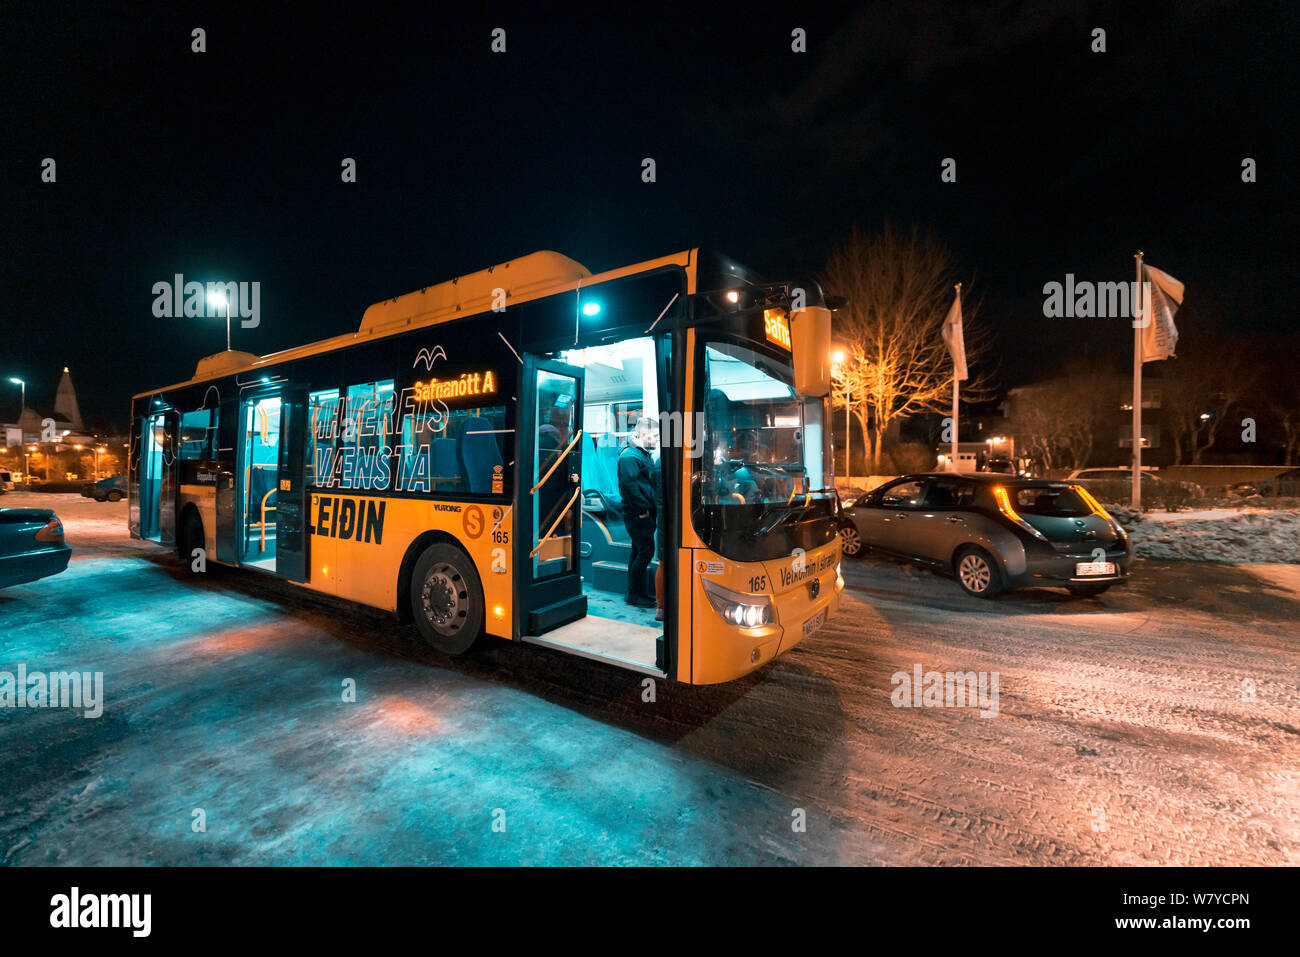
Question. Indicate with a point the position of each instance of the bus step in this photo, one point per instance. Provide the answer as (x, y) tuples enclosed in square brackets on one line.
[(549, 617), (612, 576)]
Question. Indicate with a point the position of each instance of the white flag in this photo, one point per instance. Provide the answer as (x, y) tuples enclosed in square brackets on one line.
[(1163, 294), (955, 340)]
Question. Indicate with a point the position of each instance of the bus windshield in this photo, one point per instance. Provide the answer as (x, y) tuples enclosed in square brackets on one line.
[(765, 454)]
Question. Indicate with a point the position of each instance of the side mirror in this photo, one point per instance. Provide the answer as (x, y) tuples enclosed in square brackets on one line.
[(810, 348)]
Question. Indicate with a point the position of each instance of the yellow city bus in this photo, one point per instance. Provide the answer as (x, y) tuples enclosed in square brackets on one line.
[(455, 461)]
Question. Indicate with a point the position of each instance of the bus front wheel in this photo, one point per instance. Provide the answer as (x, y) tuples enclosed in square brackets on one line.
[(447, 599)]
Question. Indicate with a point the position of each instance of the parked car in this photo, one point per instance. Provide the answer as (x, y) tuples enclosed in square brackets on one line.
[(1288, 483), (6, 481), (31, 545), (110, 489), (1000, 467), (1102, 480), (992, 532)]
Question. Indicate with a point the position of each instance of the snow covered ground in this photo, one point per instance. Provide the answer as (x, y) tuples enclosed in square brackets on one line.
[(1234, 536), (1154, 724)]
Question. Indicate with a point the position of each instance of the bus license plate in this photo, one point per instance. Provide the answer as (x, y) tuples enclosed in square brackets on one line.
[(1094, 568), (813, 623)]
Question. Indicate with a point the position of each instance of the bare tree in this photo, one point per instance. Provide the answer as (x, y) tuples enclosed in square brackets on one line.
[(1277, 392), (899, 289), (1057, 422), (1201, 387)]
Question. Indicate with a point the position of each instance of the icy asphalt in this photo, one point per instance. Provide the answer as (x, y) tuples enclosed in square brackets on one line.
[(1156, 724)]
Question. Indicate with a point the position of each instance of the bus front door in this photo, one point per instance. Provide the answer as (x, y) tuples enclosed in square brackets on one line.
[(549, 499)]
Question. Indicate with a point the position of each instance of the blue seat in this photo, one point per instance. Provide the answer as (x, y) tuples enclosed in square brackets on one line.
[(479, 453), (444, 464)]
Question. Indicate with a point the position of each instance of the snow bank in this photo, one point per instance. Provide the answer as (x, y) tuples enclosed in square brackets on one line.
[(1215, 535)]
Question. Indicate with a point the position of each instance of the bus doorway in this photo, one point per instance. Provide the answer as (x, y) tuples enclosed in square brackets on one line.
[(270, 500), (155, 486), (587, 404), (259, 482)]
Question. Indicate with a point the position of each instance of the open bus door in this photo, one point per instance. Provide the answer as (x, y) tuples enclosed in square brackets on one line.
[(291, 493), (269, 515), (152, 482), (549, 496)]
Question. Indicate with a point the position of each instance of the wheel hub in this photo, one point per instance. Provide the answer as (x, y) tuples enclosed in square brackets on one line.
[(444, 599), (974, 573)]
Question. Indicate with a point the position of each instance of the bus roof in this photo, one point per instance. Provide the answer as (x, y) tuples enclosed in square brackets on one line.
[(539, 274)]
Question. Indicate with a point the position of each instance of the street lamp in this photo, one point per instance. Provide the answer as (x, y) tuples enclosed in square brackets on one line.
[(219, 299), (98, 449), (839, 357), (21, 407)]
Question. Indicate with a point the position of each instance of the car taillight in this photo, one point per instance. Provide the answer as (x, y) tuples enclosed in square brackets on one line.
[(1093, 503), (52, 532), (1004, 506)]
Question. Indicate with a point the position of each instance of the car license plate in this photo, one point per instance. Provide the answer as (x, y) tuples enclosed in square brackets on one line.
[(813, 623), (1094, 568)]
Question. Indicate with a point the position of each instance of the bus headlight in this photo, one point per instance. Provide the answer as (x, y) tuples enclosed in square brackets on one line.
[(744, 611)]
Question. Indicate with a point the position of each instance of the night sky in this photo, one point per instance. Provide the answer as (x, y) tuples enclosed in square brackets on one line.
[(226, 165)]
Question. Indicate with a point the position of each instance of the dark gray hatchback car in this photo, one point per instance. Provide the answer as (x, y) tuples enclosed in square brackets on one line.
[(992, 532)]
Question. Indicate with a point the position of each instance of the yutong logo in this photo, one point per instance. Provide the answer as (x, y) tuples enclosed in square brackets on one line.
[(102, 910), (337, 517)]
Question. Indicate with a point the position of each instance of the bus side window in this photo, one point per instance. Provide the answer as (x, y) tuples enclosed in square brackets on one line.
[(322, 436)]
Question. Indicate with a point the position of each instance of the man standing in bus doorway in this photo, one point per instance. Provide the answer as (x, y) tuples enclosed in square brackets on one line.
[(640, 513)]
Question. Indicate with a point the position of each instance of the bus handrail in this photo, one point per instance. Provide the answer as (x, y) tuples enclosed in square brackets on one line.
[(265, 509), (564, 511), (556, 464)]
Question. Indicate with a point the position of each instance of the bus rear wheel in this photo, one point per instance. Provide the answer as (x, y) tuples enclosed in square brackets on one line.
[(447, 599)]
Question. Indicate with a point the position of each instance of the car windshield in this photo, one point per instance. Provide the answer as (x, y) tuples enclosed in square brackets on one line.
[(1053, 501)]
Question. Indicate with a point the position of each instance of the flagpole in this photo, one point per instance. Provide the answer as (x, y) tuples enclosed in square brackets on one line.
[(1136, 499), (953, 460)]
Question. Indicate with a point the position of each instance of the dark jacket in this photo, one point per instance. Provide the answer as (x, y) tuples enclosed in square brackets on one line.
[(636, 480)]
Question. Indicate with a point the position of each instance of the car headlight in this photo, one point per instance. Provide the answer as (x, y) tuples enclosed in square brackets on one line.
[(744, 611), (839, 574)]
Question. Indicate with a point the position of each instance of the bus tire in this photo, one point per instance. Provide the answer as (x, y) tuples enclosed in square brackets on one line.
[(447, 599)]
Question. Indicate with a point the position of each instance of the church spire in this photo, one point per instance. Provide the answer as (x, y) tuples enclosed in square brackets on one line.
[(65, 402)]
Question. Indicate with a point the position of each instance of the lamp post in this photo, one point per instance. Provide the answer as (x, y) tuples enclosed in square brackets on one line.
[(219, 299), (98, 449), (21, 408), (839, 357)]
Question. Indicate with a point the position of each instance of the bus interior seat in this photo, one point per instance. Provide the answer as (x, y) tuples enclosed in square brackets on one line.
[(479, 453), (444, 465)]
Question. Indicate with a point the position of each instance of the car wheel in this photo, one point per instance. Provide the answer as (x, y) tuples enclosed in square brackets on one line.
[(447, 599), (977, 573), (115, 496), (1087, 591), (850, 541), (98, 498)]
